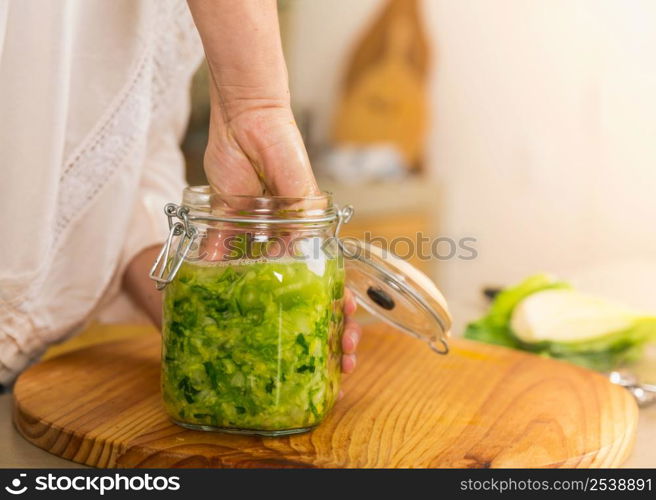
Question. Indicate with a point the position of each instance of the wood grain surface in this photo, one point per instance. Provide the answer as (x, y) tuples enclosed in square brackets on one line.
[(480, 406)]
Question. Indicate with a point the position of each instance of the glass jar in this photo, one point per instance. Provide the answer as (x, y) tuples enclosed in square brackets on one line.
[(252, 323), (253, 319)]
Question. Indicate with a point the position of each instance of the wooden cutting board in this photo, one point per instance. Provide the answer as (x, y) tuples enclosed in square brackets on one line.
[(480, 406)]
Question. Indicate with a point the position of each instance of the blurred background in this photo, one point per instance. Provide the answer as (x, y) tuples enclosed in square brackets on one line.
[(529, 126)]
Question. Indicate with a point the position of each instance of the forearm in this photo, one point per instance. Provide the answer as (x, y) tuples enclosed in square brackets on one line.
[(254, 145), (243, 49), (140, 287)]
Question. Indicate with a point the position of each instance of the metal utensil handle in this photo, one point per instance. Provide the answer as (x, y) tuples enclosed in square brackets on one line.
[(644, 394)]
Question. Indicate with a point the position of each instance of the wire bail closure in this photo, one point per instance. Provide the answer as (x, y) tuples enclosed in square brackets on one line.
[(184, 228), (188, 233)]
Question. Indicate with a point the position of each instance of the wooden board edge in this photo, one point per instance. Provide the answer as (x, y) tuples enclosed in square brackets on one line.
[(61, 442)]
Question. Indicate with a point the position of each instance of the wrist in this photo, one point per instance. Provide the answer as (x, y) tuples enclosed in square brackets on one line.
[(228, 102)]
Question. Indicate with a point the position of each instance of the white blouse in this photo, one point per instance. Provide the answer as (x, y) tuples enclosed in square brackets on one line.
[(93, 105)]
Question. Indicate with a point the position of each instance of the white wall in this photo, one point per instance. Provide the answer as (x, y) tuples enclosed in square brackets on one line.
[(544, 127)]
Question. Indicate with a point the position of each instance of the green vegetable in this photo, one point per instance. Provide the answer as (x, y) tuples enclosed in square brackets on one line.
[(253, 345), (494, 327), (549, 318)]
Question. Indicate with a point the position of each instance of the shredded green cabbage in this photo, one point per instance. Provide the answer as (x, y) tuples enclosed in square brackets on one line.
[(253, 345)]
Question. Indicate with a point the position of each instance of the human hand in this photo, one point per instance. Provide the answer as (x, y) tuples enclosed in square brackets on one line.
[(261, 152), (254, 145), (255, 148)]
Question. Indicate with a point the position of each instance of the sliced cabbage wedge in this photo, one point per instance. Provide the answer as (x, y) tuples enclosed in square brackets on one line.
[(548, 317)]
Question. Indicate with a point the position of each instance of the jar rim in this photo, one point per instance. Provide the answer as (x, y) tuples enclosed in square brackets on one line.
[(200, 197), (205, 205)]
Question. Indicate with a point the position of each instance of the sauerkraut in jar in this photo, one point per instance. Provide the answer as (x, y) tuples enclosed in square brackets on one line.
[(253, 316)]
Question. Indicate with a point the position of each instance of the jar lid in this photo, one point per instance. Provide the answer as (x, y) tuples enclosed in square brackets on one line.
[(397, 292)]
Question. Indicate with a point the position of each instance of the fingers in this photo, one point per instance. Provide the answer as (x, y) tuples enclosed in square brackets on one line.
[(348, 363), (350, 341), (351, 336), (350, 304), (216, 244)]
